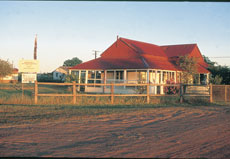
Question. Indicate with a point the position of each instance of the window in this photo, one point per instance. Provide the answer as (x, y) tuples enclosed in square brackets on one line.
[(142, 75), (173, 75), (76, 75), (94, 77), (151, 76), (110, 75), (91, 74), (164, 76), (159, 76), (98, 74), (168, 75), (56, 74), (83, 74)]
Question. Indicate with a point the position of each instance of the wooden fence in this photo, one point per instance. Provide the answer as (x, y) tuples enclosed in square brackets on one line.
[(182, 91), (221, 93), (17, 87)]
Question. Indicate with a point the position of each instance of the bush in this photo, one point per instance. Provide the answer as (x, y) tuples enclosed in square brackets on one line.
[(70, 78), (171, 89), (216, 80), (141, 89), (5, 68)]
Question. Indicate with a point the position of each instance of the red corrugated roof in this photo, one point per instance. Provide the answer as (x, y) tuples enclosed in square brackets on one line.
[(131, 54), (15, 70), (145, 48), (191, 50), (178, 50), (162, 63), (201, 68), (103, 64)]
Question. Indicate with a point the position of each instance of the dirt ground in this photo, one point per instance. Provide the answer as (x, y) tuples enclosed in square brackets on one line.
[(167, 132)]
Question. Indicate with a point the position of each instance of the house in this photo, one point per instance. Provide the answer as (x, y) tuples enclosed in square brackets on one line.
[(130, 61), (45, 77), (60, 73), (12, 78)]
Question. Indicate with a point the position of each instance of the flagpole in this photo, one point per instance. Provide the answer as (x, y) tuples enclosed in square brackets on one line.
[(35, 48)]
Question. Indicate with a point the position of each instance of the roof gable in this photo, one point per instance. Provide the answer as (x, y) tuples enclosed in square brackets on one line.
[(119, 50), (126, 48), (192, 50), (62, 69), (145, 48), (197, 54)]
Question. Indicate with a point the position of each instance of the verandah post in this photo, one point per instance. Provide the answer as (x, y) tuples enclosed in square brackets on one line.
[(74, 92), (225, 93), (36, 92)]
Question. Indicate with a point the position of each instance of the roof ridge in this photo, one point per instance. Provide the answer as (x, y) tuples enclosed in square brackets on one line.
[(178, 44), (133, 43), (144, 62), (138, 53), (128, 45), (139, 41)]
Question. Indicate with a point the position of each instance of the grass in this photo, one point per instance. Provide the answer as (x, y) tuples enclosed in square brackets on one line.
[(15, 97), (17, 109)]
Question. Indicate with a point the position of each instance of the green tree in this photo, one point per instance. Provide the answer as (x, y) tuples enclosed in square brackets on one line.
[(189, 68), (216, 80), (5, 68), (72, 62), (70, 78), (219, 74)]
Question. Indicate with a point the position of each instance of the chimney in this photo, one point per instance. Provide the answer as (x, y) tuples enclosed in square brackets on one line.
[(35, 48), (117, 40)]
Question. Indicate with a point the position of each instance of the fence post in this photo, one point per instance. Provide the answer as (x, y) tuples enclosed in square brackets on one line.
[(211, 93), (22, 91), (36, 92), (74, 92), (181, 93), (225, 93), (148, 99), (112, 93)]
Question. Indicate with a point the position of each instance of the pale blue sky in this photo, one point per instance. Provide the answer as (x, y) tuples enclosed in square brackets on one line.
[(73, 29)]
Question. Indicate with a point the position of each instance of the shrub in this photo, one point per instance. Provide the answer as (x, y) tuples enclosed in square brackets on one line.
[(140, 89), (216, 80), (70, 78), (171, 89)]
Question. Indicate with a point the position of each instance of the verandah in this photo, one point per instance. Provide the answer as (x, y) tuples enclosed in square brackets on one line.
[(125, 76), (130, 76)]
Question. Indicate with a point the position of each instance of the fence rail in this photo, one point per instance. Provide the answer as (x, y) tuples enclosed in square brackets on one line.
[(112, 86), (215, 93), (221, 93)]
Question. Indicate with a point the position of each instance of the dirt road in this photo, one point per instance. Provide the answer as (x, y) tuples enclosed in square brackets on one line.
[(169, 132)]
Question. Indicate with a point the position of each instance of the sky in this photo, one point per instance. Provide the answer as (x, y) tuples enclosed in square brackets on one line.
[(74, 29)]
